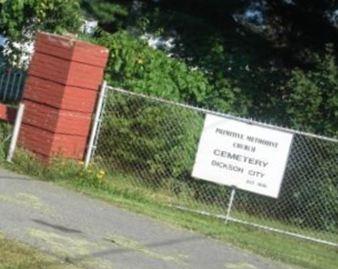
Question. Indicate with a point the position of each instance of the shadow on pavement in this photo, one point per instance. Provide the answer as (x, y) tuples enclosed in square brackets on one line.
[(57, 227)]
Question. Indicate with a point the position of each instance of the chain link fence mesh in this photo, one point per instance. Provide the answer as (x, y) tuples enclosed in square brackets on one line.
[(151, 143)]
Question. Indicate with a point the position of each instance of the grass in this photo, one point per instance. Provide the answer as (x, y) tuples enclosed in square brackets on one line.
[(15, 255)]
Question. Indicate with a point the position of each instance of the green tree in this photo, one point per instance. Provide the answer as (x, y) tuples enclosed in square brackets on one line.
[(312, 103), (21, 19), (137, 67), (110, 14)]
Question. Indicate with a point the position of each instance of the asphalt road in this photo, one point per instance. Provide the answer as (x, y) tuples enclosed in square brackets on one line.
[(97, 235)]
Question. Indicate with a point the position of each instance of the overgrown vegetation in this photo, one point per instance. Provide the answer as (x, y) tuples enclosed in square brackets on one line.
[(134, 65), (150, 139)]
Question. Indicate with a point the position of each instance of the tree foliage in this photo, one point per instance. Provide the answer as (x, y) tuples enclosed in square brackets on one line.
[(264, 72), (110, 14), (313, 96), (136, 66), (20, 19)]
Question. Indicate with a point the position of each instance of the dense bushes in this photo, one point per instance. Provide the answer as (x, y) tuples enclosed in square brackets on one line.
[(135, 66), (313, 97), (151, 139)]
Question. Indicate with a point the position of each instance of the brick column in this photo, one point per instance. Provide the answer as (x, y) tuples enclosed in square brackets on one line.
[(60, 94)]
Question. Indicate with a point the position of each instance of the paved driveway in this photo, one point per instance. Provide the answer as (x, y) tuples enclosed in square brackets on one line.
[(98, 235)]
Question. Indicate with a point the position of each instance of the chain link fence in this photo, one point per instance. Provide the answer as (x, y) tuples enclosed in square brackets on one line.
[(151, 143)]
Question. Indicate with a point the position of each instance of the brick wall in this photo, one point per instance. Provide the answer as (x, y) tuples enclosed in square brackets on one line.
[(7, 113), (60, 94)]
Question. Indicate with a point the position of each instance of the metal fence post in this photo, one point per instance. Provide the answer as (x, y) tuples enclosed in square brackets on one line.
[(17, 125), (231, 200), (98, 112)]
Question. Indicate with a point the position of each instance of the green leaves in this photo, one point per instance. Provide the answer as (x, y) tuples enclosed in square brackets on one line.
[(149, 138), (313, 98), (135, 66), (20, 19)]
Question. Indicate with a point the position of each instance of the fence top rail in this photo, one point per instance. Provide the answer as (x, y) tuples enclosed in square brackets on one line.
[(225, 115)]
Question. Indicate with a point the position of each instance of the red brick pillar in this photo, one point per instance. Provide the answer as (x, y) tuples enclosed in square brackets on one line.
[(60, 94)]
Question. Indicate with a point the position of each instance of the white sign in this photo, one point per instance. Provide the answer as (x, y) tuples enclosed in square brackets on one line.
[(242, 155)]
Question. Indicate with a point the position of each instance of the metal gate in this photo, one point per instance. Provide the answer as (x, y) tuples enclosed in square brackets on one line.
[(151, 143), (11, 84)]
